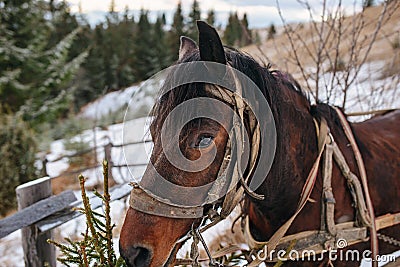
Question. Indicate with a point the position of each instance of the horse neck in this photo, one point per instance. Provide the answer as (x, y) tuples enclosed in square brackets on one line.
[(295, 154)]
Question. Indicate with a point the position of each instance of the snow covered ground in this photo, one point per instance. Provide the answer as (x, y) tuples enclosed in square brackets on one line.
[(368, 92), (137, 130), (139, 98)]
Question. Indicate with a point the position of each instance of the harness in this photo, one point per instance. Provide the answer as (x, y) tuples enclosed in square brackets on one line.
[(325, 238), (330, 234)]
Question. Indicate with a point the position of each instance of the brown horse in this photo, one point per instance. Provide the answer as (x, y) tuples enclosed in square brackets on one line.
[(150, 240)]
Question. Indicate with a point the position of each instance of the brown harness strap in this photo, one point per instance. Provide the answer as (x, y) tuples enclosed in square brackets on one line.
[(363, 177), (305, 195), (142, 201), (328, 210), (355, 187)]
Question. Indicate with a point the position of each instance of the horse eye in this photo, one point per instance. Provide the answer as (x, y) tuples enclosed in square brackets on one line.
[(203, 141)]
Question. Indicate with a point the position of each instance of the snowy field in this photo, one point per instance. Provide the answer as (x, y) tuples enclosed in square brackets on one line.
[(137, 130)]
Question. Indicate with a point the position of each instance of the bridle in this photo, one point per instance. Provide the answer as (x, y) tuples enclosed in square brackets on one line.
[(145, 201), (354, 232)]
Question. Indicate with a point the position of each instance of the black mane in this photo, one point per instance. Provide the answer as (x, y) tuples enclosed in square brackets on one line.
[(267, 81)]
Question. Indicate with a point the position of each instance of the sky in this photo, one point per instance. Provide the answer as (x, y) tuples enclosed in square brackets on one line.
[(261, 13)]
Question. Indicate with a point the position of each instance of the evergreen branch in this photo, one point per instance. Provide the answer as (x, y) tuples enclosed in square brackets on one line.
[(96, 248), (90, 218), (109, 226), (84, 256)]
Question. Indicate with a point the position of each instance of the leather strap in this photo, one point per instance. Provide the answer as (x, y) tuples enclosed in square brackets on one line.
[(363, 177), (305, 195), (328, 209), (143, 202)]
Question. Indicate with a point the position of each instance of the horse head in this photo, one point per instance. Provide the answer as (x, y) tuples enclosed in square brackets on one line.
[(150, 239)]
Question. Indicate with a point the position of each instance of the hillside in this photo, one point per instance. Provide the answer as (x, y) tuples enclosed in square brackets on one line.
[(327, 55), (278, 49)]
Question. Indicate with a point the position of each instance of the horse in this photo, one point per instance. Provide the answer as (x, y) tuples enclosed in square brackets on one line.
[(149, 239)]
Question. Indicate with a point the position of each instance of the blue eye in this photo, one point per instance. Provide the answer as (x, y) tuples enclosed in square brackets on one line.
[(203, 141)]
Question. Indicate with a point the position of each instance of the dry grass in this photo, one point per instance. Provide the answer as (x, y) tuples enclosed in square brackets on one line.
[(392, 66), (280, 53)]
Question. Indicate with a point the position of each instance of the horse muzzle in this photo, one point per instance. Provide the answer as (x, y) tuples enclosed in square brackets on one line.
[(136, 256)]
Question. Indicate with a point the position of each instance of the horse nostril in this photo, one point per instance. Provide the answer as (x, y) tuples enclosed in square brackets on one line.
[(136, 256)]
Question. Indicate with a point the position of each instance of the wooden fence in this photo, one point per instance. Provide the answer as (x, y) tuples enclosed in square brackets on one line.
[(39, 212)]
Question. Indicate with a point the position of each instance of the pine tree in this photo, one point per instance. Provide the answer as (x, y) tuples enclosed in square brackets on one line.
[(63, 23), (112, 16), (368, 3), (126, 31), (111, 8), (18, 150), (143, 56), (233, 30), (97, 246), (177, 30), (237, 32), (271, 32), (245, 38), (162, 58), (94, 67), (112, 42), (194, 16), (35, 68), (211, 17)]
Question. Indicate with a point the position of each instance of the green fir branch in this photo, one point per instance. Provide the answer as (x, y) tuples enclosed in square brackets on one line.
[(96, 248)]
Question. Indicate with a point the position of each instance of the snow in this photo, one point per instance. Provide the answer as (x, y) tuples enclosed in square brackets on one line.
[(136, 99), (11, 253), (111, 102), (367, 93), (56, 150)]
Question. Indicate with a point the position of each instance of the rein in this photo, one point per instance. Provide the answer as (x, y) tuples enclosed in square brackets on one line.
[(324, 239)]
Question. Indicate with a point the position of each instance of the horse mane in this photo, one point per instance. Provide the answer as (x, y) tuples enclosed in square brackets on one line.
[(269, 82)]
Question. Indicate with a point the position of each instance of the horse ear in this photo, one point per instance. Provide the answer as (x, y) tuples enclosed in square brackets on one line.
[(210, 44), (187, 47)]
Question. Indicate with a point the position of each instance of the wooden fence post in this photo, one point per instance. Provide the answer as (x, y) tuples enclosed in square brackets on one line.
[(37, 251), (44, 169)]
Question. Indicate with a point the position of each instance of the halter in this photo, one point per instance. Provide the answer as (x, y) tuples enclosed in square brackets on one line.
[(146, 202)]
